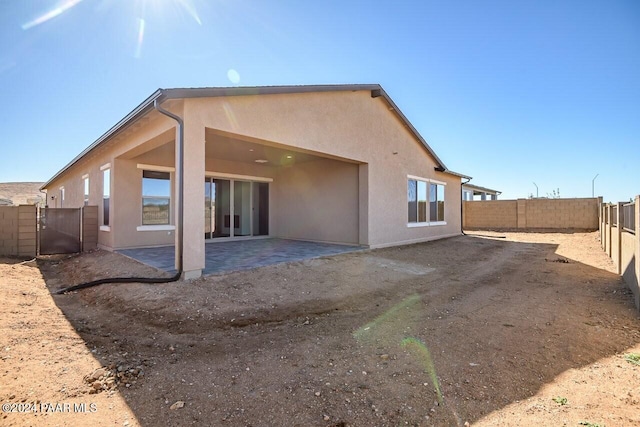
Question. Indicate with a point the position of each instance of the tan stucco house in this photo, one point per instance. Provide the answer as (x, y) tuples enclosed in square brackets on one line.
[(338, 164)]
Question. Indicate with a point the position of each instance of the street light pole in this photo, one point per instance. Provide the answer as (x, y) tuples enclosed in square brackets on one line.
[(536, 189), (593, 185)]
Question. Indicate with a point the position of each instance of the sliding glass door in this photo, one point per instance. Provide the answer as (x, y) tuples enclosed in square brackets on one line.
[(235, 208)]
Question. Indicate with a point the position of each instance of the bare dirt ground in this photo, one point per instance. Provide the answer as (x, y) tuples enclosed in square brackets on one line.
[(527, 330)]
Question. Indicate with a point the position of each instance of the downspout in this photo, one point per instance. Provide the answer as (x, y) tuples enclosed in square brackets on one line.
[(179, 246), (462, 205), (180, 164)]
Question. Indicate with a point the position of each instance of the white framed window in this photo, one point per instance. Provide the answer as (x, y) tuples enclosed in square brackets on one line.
[(85, 182), (156, 197), (425, 202), (106, 197), (436, 202)]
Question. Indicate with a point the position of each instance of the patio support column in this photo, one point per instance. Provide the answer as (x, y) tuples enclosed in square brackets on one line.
[(363, 204), (194, 168)]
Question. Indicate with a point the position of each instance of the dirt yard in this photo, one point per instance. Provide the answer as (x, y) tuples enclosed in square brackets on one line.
[(486, 329)]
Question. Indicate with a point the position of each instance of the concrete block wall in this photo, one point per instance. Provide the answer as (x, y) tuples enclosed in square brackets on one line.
[(581, 214), (18, 230), (490, 214), (623, 246), (532, 214)]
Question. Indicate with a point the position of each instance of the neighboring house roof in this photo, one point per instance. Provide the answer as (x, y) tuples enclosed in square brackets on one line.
[(480, 189), (5, 202), (208, 92)]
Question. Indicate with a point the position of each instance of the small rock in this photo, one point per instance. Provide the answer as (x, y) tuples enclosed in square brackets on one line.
[(96, 374), (177, 405), (384, 356), (326, 417), (317, 393), (12, 396), (97, 385)]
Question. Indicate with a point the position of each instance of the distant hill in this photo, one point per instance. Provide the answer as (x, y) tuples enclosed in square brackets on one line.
[(22, 193)]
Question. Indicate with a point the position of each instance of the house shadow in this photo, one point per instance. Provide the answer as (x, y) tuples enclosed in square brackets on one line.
[(499, 319)]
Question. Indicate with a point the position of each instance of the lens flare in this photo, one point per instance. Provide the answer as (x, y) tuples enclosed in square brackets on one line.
[(420, 350), (231, 117), (388, 317), (191, 10), (140, 37), (62, 7), (233, 76)]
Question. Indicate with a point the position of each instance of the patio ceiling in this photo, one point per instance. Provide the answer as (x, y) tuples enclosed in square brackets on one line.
[(229, 148)]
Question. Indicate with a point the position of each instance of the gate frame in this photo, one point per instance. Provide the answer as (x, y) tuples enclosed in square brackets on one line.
[(87, 228)]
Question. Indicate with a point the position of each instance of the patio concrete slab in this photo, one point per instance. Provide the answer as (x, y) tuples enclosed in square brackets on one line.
[(221, 257)]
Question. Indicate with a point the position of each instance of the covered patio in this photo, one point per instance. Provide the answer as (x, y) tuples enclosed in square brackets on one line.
[(224, 257)]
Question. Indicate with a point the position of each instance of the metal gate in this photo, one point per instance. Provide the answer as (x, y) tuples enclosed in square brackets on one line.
[(59, 231)]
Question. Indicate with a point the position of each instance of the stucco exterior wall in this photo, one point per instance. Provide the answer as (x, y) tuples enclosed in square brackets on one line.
[(345, 125), (154, 130), (358, 184), (127, 196), (318, 200)]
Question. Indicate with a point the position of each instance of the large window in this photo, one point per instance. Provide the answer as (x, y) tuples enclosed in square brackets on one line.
[(436, 202), (106, 195), (425, 202), (156, 197)]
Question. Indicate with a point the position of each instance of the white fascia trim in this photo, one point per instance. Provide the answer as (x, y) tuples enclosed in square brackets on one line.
[(234, 176), (156, 168), (105, 166), (156, 228), (105, 228)]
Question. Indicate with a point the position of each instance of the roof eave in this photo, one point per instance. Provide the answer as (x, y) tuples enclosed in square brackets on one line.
[(181, 93), (381, 92)]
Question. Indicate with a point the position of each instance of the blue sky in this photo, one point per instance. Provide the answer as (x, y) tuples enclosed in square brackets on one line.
[(509, 92)]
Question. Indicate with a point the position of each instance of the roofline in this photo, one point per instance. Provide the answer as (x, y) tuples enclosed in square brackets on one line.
[(485, 189), (461, 175), (208, 92)]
